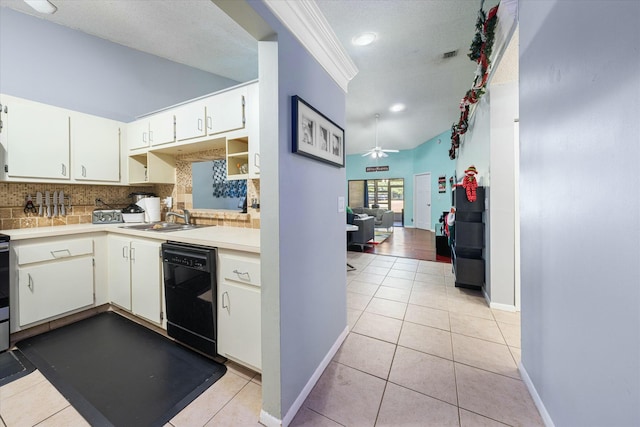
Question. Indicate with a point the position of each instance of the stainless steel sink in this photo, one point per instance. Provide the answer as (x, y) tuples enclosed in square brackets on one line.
[(163, 226)]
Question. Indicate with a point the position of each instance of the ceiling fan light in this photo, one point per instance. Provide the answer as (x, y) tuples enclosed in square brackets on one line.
[(364, 39), (42, 6), (396, 108)]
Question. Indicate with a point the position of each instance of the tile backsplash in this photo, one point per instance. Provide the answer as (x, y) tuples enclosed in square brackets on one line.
[(79, 205), (82, 202)]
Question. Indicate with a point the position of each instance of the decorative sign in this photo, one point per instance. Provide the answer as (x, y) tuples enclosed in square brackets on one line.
[(377, 168), (442, 184)]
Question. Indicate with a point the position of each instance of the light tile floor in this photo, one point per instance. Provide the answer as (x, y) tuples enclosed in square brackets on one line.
[(420, 352)]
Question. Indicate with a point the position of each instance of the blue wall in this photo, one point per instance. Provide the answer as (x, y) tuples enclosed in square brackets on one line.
[(56, 65), (427, 157)]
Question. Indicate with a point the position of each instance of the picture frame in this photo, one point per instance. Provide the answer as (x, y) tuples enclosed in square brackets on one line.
[(314, 135)]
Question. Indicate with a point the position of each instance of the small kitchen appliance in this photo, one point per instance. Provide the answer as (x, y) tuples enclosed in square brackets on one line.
[(106, 216), (133, 213)]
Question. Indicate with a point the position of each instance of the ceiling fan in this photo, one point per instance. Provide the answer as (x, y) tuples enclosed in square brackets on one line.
[(377, 151)]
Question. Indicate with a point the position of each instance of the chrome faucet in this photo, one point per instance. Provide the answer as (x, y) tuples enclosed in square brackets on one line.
[(186, 216)]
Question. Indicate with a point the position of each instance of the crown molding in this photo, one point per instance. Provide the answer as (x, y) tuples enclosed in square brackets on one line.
[(307, 23)]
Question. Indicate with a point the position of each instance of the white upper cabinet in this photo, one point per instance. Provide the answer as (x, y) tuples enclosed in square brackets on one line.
[(190, 121), (95, 144), (37, 139), (152, 130), (225, 111)]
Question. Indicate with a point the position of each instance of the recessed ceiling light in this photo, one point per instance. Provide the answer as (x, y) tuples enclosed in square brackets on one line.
[(42, 6), (396, 108), (364, 39)]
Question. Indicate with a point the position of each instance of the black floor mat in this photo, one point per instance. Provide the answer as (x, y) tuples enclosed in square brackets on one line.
[(13, 365), (118, 373)]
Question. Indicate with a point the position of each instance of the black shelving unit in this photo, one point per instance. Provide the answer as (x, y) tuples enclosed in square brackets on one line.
[(468, 240)]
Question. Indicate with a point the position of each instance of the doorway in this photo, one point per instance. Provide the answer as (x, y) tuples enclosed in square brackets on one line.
[(422, 201), (386, 193)]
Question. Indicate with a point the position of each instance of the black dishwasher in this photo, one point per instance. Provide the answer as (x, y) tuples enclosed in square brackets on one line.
[(4, 292), (190, 295)]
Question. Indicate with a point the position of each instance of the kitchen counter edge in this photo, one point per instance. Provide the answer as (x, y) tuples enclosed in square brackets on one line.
[(233, 238)]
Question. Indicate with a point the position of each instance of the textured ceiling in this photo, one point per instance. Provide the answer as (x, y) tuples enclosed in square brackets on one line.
[(192, 32), (404, 64)]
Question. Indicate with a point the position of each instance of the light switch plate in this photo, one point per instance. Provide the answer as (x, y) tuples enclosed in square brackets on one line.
[(340, 204)]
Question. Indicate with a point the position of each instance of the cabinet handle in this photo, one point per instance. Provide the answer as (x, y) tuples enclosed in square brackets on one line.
[(133, 254), (209, 123), (144, 137), (64, 169), (227, 306), (30, 282), (84, 171), (240, 274), (256, 160), (199, 124), (61, 253), (125, 255)]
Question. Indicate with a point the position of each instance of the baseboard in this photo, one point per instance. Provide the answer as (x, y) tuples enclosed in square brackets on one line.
[(497, 305), (546, 418), (503, 307), (271, 421)]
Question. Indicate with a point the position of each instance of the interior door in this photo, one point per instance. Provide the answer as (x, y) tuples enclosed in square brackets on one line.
[(422, 201)]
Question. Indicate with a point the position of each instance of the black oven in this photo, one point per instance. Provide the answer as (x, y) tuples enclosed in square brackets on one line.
[(4, 292), (190, 295)]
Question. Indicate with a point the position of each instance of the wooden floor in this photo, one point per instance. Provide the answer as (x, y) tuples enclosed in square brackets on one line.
[(406, 243)]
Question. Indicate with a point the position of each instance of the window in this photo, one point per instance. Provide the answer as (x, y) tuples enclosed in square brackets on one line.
[(386, 193)]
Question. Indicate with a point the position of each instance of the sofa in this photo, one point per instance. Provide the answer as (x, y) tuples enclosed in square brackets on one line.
[(364, 234), (382, 218)]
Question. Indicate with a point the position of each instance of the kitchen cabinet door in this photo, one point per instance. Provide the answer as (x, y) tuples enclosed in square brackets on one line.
[(119, 271), (37, 140), (138, 134), (239, 331), (95, 144), (153, 130), (146, 285), (190, 121), (225, 111), (162, 128), (54, 288)]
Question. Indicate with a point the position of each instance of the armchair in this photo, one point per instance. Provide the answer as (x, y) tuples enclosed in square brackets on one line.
[(365, 232)]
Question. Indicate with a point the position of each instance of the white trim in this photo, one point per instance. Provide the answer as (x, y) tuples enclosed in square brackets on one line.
[(307, 23), (269, 420), (293, 410), (503, 307), (546, 418), (497, 305)]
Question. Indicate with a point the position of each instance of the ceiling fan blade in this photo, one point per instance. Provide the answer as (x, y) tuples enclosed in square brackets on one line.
[(391, 151), (366, 154)]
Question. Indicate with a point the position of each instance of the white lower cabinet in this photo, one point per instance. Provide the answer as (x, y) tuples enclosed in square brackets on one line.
[(54, 276), (239, 300), (135, 276)]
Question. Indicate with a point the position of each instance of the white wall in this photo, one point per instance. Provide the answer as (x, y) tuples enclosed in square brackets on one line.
[(501, 211), (580, 209)]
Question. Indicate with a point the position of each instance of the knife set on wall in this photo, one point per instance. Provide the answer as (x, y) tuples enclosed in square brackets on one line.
[(45, 205)]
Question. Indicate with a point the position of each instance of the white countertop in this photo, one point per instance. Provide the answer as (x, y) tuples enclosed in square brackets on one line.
[(235, 238)]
